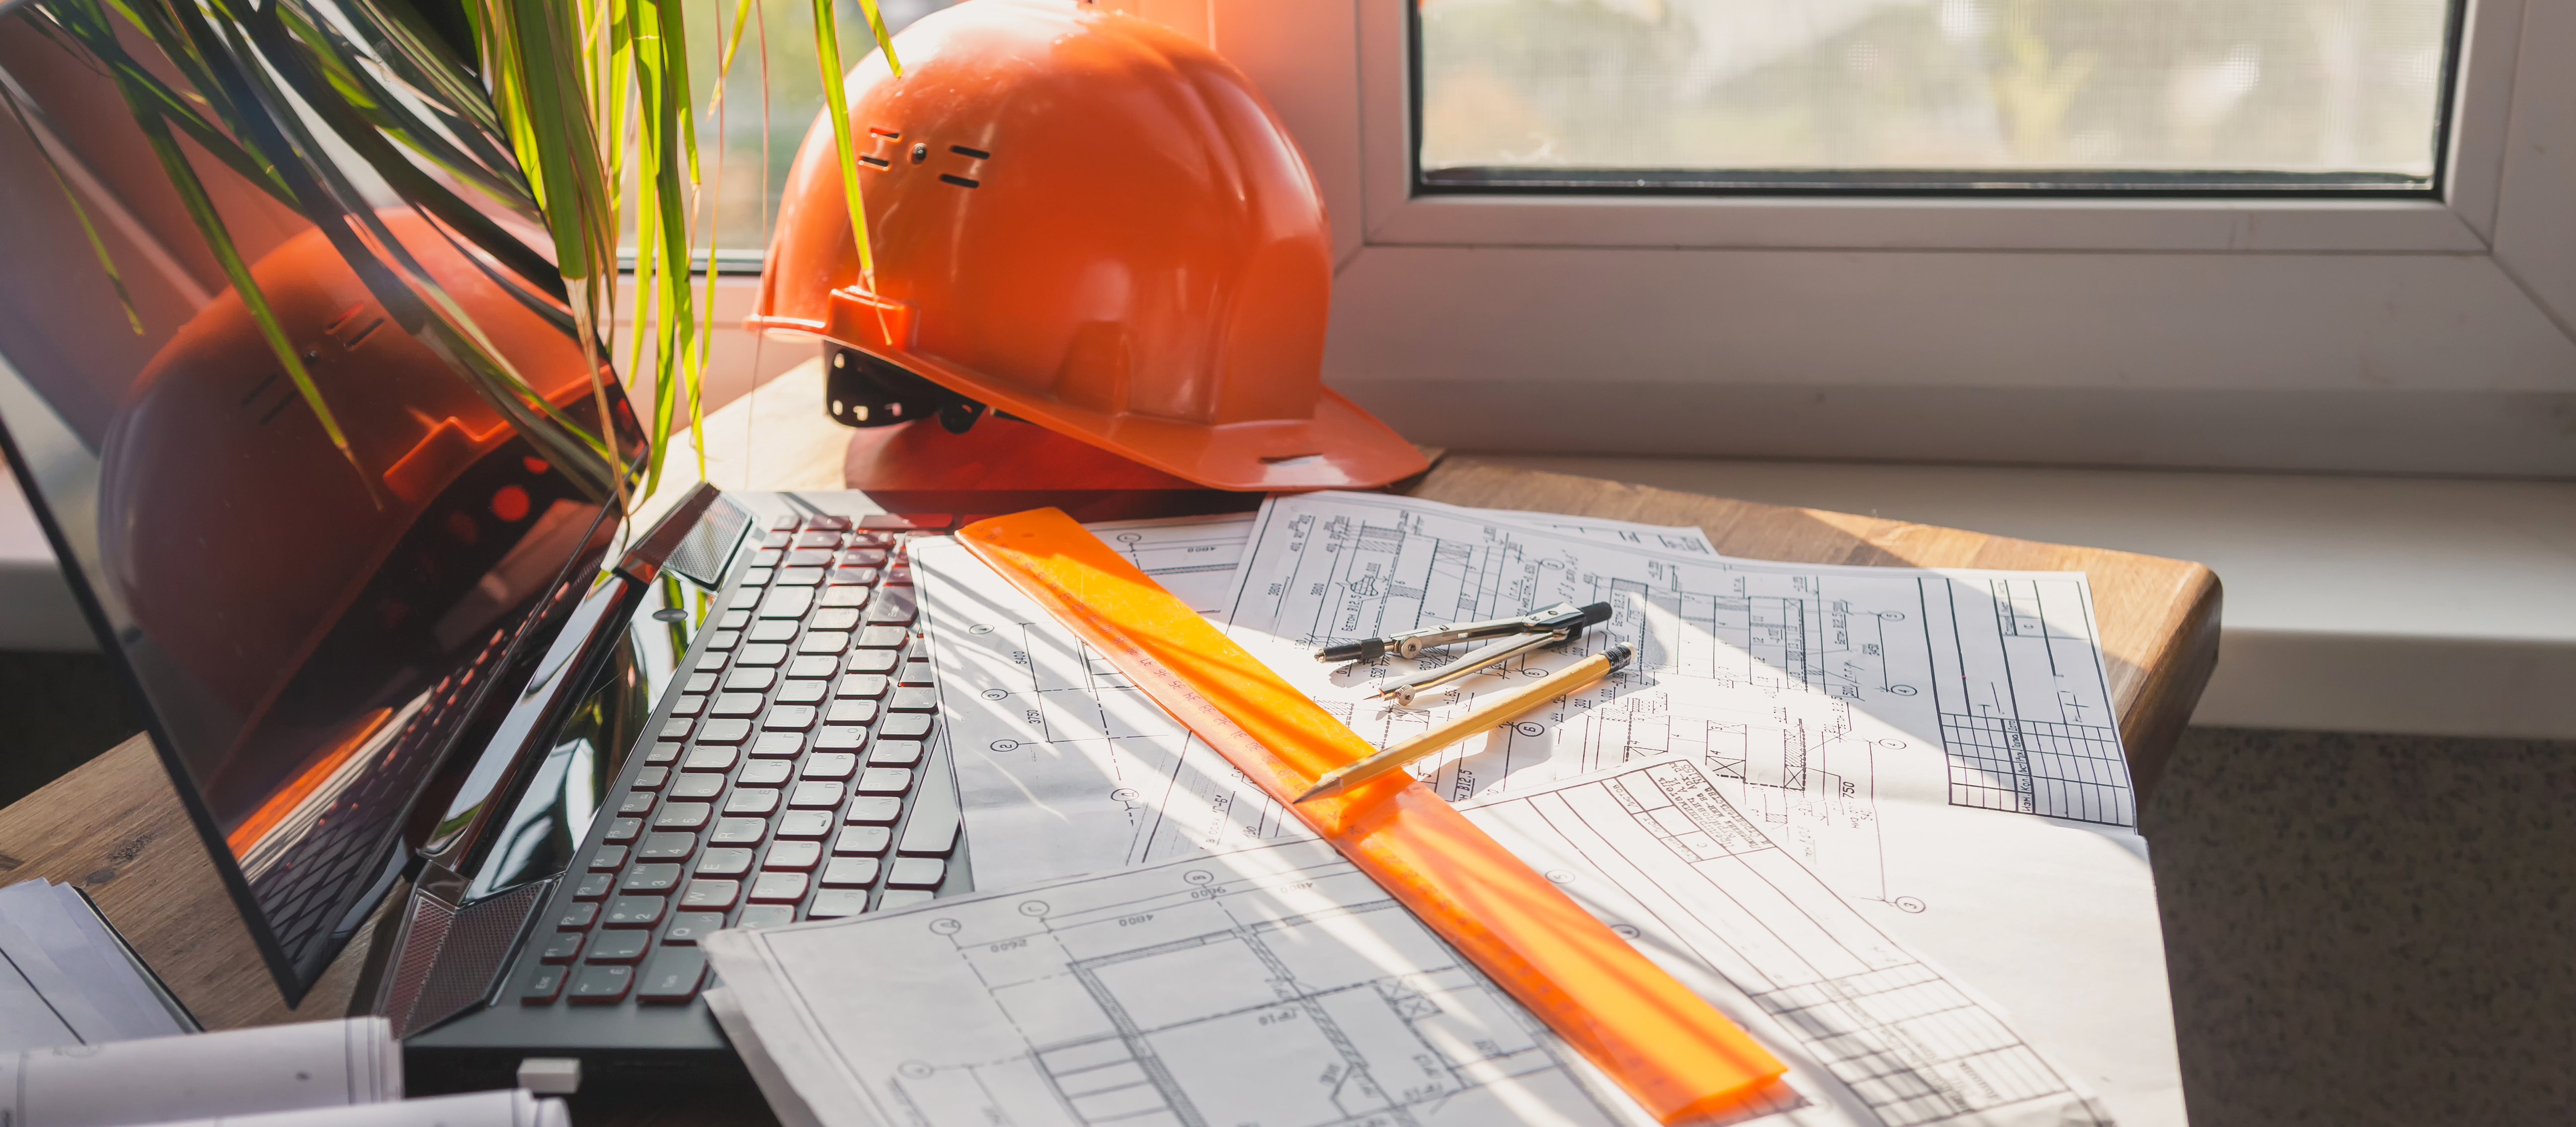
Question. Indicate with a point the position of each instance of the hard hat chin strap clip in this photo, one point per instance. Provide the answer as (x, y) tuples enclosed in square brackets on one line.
[(862, 390)]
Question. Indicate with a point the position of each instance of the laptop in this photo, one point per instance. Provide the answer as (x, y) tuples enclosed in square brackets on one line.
[(432, 675)]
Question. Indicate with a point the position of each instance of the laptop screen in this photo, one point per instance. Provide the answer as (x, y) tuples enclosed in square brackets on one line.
[(312, 575)]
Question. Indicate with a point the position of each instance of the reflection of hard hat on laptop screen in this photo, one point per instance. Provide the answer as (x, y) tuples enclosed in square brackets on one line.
[(1086, 220)]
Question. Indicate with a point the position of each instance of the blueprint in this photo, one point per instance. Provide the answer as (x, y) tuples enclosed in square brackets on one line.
[(1818, 695), (1063, 766), (1873, 1034), (1275, 985)]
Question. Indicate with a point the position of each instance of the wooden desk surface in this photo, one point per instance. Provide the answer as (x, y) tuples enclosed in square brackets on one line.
[(115, 826)]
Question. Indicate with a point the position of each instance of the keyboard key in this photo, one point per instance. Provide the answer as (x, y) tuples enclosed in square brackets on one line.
[(788, 718), (624, 829), (619, 946), (850, 872), (913, 699), (687, 705), (634, 911), (764, 773), (787, 523), (862, 685), (844, 597), (871, 539), (917, 672), (905, 726), (772, 744), (833, 618), (891, 607), (710, 758), (823, 642), (816, 794), (803, 692), (682, 816), (864, 557), (812, 668), (898, 576), (608, 857), (636, 803), (652, 778), (786, 602), (805, 823), (871, 661), (834, 903), (561, 947), (808, 557), (700, 684), (725, 732), (733, 620), (736, 704), (667, 846), (916, 872), (710, 895), (875, 811), (576, 917), (597, 985), (750, 680), (542, 985), (894, 898), (881, 638), (766, 915), (859, 578), (884, 780), (739, 831), (662, 753), (862, 841), (751, 802), (818, 539), (673, 976), (724, 863), (773, 630), (792, 855), (903, 522), (761, 653), (843, 738), (651, 878), (828, 523), (594, 886), (775, 888), (798, 577), (756, 577), (698, 784), (851, 712), (895, 753), (743, 599), (931, 832), (830, 765), (722, 640), (690, 927)]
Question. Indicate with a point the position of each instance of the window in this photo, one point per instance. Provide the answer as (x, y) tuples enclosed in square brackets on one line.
[(2208, 96)]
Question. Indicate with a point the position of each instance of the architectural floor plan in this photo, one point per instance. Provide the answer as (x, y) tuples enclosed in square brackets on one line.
[(1276, 985)]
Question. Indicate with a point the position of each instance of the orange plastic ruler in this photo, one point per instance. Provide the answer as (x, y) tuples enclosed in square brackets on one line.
[(1678, 1056)]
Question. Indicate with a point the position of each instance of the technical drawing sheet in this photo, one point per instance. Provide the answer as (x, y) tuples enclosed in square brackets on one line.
[(1275, 985), (1821, 694), (1873, 1033), (1065, 767)]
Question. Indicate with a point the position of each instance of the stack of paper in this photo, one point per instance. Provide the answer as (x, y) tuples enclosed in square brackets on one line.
[(88, 1038), (1823, 796), (66, 979)]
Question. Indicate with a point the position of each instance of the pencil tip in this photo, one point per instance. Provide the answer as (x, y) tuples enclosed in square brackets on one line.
[(1319, 790)]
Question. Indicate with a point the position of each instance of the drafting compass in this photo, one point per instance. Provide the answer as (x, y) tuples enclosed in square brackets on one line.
[(1537, 629)]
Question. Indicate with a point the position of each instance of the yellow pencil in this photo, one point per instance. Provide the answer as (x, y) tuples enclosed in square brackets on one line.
[(1501, 710)]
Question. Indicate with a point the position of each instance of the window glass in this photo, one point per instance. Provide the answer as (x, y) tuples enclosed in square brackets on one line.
[(2195, 95)]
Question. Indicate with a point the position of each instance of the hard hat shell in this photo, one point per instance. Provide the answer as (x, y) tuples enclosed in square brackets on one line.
[(1087, 220)]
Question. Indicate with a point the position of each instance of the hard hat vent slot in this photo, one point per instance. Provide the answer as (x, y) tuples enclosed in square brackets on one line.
[(889, 134), (960, 181), (963, 151), (1289, 459), (880, 162)]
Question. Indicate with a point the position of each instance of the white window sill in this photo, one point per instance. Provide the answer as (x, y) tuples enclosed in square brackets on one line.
[(2377, 604)]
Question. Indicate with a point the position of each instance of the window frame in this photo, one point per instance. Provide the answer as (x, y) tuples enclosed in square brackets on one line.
[(2368, 335)]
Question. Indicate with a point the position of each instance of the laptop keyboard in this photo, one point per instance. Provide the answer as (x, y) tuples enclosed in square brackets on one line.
[(783, 786)]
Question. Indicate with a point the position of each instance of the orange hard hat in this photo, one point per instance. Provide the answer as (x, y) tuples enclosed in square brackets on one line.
[(1086, 220)]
